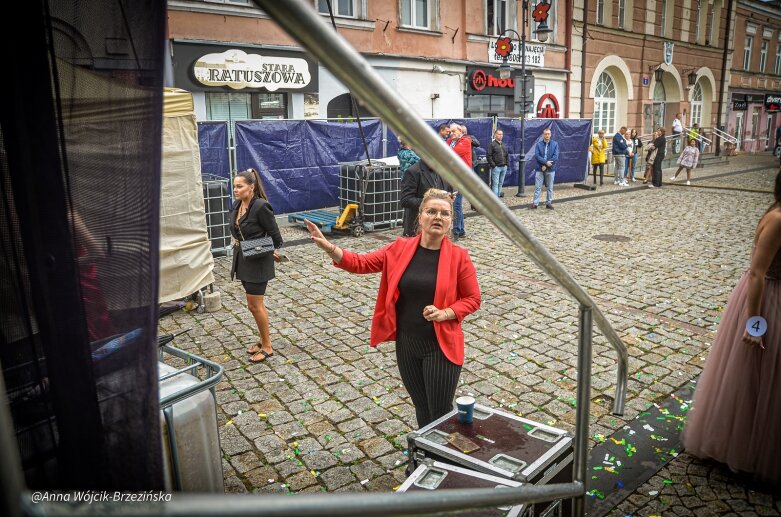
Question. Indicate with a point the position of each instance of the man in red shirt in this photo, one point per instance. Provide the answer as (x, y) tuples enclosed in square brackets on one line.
[(463, 147)]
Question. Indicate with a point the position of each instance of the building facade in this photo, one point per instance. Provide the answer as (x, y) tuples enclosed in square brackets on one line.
[(438, 54), (643, 62), (755, 76)]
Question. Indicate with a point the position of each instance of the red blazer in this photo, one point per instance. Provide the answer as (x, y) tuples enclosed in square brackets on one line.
[(463, 148), (456, 288)]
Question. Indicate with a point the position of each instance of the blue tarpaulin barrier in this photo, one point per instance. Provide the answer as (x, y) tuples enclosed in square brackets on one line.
[(572, 135), (213, 142), (299, 159)]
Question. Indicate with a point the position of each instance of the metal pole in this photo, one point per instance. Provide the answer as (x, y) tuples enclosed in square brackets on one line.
[(583, 404), (416, 502), (522, 156), (300, 20)]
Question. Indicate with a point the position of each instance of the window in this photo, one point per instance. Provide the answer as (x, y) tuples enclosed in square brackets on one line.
[(605, 104), (228, 106), (709, 38), (415, 13), (621, 10), (269, 105), (777, 68), (341, 7), (747, 52), (697, 22), (763, 56), (600, 12), (663, 25), (496, 16), (696, 117)]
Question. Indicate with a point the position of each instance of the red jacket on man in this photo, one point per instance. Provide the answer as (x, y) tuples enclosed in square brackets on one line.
[(463, 148), (456, 288)]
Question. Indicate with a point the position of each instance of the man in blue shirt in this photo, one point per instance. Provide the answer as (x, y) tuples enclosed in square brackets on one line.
[(546, 154)]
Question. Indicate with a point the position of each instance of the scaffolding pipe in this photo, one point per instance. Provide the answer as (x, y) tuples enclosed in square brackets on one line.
[(299, 19), (316, 505)]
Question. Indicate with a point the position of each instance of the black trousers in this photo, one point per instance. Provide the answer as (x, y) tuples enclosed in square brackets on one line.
[(429, 377), (601, 167), (656, 177)]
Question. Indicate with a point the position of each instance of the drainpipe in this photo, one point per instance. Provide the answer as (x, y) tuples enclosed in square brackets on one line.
[(727, 28), (568, 55), (583, 60)]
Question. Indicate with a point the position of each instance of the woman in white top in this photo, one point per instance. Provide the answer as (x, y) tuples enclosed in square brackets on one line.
[(630, 153)]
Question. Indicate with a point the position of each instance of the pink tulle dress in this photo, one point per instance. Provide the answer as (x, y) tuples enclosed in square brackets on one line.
[(736, 414)]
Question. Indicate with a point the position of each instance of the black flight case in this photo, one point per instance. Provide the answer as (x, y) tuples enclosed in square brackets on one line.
[(511, 447)]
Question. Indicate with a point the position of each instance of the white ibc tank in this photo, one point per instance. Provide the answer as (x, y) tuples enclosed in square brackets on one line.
[(196, 436)]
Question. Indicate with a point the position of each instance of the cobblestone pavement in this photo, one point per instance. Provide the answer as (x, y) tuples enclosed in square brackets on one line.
[(326, 412)]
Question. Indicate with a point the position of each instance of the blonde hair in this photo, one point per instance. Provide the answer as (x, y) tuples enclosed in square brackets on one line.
[(435, 193)]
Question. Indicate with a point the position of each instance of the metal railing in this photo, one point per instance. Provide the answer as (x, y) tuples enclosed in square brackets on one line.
[(724, 136), (300, 20)]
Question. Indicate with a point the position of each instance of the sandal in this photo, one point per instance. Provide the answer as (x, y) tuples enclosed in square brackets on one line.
[(254, 349), (265, 355)]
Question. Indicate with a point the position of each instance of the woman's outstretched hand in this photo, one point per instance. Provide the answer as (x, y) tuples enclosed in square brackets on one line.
[(317, 236)]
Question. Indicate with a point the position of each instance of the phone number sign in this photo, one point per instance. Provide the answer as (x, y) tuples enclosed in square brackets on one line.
[(535, 54)]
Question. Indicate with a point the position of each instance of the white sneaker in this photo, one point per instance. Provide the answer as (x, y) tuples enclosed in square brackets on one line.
[(688, 182), (624, 184), (651, 186), (672, 178), (634, 180)]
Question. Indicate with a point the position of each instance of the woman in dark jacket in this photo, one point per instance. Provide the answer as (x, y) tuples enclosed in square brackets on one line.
[(251, 218), (660, 144)]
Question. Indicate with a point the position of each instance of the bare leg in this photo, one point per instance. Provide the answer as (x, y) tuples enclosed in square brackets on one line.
[(688, 174), (258, 309)]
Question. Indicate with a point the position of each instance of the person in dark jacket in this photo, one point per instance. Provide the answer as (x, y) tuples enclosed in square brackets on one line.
[(417, 181), (620, 150), (251, 218), (660, 144), (497, 160)]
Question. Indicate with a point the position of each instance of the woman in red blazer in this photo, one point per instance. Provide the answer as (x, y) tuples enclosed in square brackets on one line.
[(428, 286)]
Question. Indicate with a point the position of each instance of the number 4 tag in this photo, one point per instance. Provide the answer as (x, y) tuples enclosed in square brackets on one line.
[(756, 326)]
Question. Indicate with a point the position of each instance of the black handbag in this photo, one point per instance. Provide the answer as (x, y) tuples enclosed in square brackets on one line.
[(256, 248)]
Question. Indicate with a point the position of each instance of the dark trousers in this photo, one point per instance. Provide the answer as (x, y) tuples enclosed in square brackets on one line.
[(428, 376), (656, 176), (601, 167)]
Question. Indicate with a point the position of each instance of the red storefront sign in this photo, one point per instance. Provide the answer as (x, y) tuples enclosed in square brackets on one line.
[(548, 106), (480, 80)]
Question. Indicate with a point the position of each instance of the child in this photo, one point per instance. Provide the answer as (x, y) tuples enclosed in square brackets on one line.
[(688, 160)]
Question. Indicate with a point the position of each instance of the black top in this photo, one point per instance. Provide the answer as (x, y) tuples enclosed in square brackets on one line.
[(257, 222), (417, 180), (661, 147), (497, 154), (416, 290)]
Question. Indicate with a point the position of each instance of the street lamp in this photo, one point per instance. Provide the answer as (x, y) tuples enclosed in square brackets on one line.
[(504, 47)]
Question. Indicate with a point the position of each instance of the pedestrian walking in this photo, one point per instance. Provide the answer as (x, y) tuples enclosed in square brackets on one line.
[(734, 417), (427, 287), (688, 160), (599, 156), (251, 218)]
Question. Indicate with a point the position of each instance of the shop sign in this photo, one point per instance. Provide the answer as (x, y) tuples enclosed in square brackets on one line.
[(238, 70), (739, 105), (484, 81), (772, 102), (535, 53), (548, 106)]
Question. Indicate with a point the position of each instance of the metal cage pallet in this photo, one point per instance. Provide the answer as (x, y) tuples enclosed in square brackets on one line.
[(217, 204), (375, 189)]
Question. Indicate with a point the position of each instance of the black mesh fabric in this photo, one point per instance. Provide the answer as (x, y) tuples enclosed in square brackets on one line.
[(80, 144)]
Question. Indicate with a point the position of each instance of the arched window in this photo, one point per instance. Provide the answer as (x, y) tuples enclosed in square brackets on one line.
[(341, 107), (697, 105), (605, 104)]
